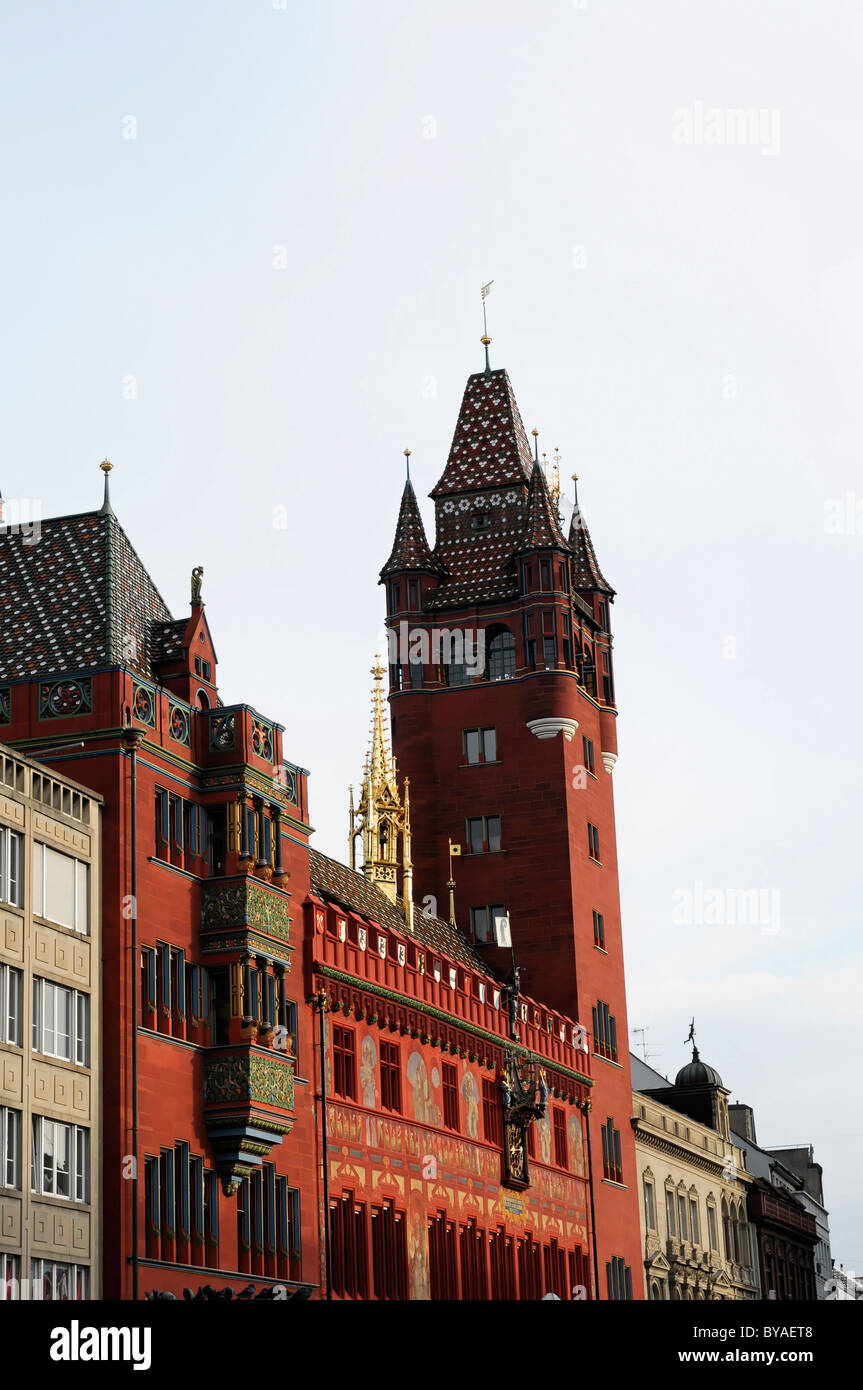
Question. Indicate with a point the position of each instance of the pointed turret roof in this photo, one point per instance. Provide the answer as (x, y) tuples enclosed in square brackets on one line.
[(79, 598), (542, 527), (489, 447), (588, 575), (411, 550)]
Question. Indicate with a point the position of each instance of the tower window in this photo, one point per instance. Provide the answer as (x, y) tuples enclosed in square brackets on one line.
[(604, 1032), (480, 745), (527, 577), (483, 834), (599, 930), (544, 575), (413, 594), (612, 1169), (593, 841), (480, 521), (501, 654), (482, 921), (587, 745)]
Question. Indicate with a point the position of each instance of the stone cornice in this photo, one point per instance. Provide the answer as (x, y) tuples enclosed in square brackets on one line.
[(666, 1145)]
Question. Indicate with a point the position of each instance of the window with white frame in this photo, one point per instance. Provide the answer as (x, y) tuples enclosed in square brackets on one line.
[(60, 888), (10, 1278), (11, 887), (59, 1161), (53, 1282), (10, 1147), (11, 992), (61, 1022)]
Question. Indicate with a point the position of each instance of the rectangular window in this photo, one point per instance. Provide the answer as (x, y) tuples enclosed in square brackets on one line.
[(491, 1113), (649, 1207), (711, 1227), (10, 1147), (681, 1216), (599, 930), (619, 1279), (443, 1260), (480, 746), (11, 995), (474, 1262), (389, 1253), (53, 1282), (287, 1015), (592, 841), (483, 835), (10, 1278), (391, 1081), (11, 854), (694, 1225), (611, 1164), (604, 1032), (349, 1248), (59, 1161), (344, 1062), (61, 1022), (671, 1224), (587, 746), (561, 1156), (60, 888), (450, 1096), (482, 921)]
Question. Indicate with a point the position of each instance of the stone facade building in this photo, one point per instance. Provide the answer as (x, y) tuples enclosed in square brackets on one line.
[(50, 952)]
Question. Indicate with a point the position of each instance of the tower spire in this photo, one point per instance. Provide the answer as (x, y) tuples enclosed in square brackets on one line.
[(107, 509), (378, 817)]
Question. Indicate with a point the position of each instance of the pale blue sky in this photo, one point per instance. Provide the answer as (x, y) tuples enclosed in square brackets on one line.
[(633, 277)]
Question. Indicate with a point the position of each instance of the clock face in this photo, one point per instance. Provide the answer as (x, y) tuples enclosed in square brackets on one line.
[(66, 698)]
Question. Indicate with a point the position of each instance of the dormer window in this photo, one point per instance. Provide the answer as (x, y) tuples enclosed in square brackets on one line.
[(480, 521), (202, 668)]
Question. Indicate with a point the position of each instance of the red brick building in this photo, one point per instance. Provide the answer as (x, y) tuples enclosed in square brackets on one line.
[(503, 719)]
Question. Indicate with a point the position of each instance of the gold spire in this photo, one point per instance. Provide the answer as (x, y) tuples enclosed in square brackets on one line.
[(378, 817), (552, 476)]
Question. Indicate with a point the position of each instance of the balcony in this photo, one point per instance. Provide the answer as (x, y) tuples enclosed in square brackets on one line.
[(248, 1108), (245, 914)]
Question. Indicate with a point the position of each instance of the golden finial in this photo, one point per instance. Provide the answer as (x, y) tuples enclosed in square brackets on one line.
[(106, 465), (408, 461), (535, 433), (574, 477), (552, 473)]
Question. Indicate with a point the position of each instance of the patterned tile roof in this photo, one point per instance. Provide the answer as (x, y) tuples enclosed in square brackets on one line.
[(585, 566), (410, 550), (168, 640), (336, 883), (489, 447), (542, 527), (78, 597)]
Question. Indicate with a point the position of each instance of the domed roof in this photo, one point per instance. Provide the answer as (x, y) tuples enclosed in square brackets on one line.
[(697, 1073)]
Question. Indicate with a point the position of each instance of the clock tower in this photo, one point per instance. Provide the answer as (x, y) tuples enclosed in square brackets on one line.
[(503, 713)]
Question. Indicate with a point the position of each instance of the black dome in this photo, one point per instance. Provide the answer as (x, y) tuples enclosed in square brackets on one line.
[(697, 1073)]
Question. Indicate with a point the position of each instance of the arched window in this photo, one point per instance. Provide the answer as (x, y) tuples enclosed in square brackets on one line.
[(655, 1291), (203, 700), (500, 654)]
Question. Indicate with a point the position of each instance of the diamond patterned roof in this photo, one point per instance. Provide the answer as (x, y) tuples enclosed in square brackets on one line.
[(489, 447), (79, 597), (335, 882), (585, 566), (542, 527), (410, 550)]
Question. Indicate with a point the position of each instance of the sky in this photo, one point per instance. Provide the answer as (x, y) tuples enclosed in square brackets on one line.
[(242, 249)]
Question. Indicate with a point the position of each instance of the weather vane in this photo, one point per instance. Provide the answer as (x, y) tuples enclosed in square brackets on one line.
[(486, 340)]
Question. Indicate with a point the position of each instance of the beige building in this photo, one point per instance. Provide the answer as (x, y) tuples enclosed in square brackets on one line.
[(50, 949), (697, 1240)]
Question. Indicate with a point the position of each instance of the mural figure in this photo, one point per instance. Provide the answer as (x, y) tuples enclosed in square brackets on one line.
[(418, 1265), (425, 1110), (471, 1101), (368, 1063), (576, 1144), (543, 1127)]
